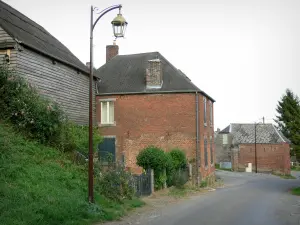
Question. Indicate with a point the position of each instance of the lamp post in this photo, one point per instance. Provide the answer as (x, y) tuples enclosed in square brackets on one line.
[(119, 26)]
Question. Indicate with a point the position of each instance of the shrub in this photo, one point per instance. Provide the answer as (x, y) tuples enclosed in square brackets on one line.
[(76, 137), (156, 159), (37, 117), (30, 113), (178, 158), (178, 179), (115, 183), (178, 162)]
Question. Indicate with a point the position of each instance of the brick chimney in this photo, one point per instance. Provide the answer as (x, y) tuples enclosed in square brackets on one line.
[(154, 75), (111, 51)]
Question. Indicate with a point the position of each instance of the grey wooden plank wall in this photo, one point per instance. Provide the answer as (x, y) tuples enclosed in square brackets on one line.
[(4, 37), (61, 83)]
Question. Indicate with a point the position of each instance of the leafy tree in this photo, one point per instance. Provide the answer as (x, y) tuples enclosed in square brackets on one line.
[(288, 120)]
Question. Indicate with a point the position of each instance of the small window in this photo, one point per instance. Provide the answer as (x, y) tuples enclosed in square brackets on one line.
[(205, 116), (211, 151), (211, 113), (225, 139), (205, 152), (107, 112)]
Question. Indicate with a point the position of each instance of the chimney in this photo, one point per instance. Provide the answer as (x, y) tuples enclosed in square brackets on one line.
[(88, 64), (218, 130), (154, 75), (111, 51)]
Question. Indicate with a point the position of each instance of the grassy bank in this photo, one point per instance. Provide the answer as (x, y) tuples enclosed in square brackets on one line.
[(41, 185), (296, 191)]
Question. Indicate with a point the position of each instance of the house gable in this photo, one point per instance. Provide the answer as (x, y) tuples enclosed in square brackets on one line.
[(30, 34)]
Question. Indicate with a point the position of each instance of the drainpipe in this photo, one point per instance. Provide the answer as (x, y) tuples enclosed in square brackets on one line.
[(197, 140)]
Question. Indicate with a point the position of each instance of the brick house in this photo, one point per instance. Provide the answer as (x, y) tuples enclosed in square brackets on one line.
[(236, 144), (144, 100), (45, 62)]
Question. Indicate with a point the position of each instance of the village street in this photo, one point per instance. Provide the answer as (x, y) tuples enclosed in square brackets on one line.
[(245, 199)]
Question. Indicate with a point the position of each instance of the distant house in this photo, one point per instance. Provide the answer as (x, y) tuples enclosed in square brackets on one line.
[(47, 64), (144, 100), (236, 144)]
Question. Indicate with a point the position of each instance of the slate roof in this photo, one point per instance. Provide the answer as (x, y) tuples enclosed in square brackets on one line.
[(125, 74), (245, 134), (34, 36)]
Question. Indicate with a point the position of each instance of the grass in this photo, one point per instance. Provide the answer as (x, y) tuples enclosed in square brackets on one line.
[(217, 166), (284, 176), (295, 168), (296, 191), (40, 185), (178, 192)]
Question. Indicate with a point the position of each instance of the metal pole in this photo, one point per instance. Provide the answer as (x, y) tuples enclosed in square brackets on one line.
[(255, 147), (91, 177)]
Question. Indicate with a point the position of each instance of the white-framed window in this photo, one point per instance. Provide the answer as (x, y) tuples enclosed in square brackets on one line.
[(107, 112), (225, 139), (205, 110), (211, 113)]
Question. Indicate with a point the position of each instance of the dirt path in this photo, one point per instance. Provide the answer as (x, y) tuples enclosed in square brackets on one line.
[(155, 205)]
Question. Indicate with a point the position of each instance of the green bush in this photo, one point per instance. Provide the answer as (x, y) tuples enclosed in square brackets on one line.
[(115, 183), (156, 159), (178, 179), (76, 137), (178, 162), (30, 113), (39, 118), (178, 158)]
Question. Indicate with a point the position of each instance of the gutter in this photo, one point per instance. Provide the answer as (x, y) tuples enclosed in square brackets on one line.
[(197, 140), (155, 92)]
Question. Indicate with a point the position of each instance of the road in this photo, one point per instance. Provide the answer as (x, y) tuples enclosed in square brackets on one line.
[(246, 199)]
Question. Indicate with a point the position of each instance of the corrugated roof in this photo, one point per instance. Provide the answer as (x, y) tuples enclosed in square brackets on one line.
[(245, 134), (34, 36), (125, 74)]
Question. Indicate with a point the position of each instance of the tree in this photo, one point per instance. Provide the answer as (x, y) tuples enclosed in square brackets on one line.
[(288, 120)]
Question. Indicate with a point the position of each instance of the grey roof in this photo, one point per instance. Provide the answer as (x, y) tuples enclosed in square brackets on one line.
[(225, 130), (34, 36), (125, 74), (245, 133)]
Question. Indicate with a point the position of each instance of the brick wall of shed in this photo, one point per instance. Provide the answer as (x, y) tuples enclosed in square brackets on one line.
[(270, 157), (163, 120)]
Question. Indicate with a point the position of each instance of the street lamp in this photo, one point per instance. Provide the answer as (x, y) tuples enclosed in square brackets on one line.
[(119, 26)]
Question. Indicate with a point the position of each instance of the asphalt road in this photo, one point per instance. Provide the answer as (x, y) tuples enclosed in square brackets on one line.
[(246, 199)]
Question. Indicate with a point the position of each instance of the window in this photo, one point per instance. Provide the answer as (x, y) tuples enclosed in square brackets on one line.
[(225, 139), (107, 150), (211, 113), (211, 151), (205, 152), (204, 102), (107, 112)]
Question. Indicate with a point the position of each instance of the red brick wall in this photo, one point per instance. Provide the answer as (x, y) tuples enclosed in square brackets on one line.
[(163, 120), (270, 157)]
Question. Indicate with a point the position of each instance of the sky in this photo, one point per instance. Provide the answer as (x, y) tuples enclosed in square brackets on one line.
[(242, 53)]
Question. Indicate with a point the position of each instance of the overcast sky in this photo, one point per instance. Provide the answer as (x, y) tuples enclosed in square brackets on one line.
[(243, 53)]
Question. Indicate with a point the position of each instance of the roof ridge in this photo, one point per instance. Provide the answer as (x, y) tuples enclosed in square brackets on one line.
[(68, 52), (142, 53), (36, 25)]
